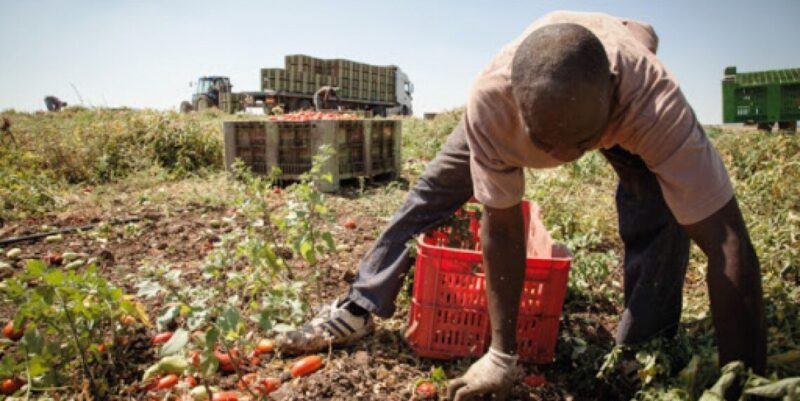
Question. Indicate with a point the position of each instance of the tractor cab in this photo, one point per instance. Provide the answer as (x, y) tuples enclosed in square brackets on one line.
[(210, 88)]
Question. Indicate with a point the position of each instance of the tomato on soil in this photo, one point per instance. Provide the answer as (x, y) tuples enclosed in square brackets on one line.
[(153, 383), (127, 320), (426, 391), (246, 381), (161, 338), (225, 362), (167, 382), (10, 386), (269, 385), (53, 259), (350, 224), (10, 333), (264, 346), (534, 380), (195, 355), (226, 396), (306, 366)]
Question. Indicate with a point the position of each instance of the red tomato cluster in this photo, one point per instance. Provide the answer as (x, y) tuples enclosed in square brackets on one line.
[(228, 361), (314, 115)]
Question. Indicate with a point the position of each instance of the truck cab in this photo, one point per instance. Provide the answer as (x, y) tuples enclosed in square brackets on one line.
[(404, 89)]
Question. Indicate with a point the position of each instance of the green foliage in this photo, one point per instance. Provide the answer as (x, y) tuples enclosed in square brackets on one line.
[(65, 316), (422, 139), (90, 146), (254, 270)]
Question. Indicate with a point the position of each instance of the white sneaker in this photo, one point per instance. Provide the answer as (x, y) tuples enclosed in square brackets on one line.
[(333, 325)]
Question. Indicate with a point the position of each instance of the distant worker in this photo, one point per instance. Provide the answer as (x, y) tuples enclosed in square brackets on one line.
[(322, 98), (53, 103), (5, 131)]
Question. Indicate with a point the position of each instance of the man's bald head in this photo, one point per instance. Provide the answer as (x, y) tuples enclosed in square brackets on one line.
[(561, 80)]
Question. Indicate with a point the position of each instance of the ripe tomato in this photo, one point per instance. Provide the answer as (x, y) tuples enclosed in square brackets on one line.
[(10, 333), (426, 391), (225, 362), (306, 366), (246, 381), (167, 382), (269, 385), (161, 338), (195, 356), (191, 381), (350, 224), (226, 396), (10, 386), (53, 259), (535, 380), (264, 346)]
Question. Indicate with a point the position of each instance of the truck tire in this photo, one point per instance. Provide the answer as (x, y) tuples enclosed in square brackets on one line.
[(379, 111), (787, 126), (203, 102), (765, 126), (186, 107), (404, 111)]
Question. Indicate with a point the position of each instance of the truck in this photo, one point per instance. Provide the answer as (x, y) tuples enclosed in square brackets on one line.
[(381, 90), (762, 98)]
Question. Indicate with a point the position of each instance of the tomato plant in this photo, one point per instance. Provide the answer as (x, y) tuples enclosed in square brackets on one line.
[(64, 313)]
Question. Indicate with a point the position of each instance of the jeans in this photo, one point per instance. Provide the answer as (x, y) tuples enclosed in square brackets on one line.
[(656, 246)]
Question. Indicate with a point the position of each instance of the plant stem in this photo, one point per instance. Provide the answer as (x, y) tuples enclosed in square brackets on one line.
[(81, 352)]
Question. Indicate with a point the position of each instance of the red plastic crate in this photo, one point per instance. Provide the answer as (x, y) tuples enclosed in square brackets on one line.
[(448, 316)]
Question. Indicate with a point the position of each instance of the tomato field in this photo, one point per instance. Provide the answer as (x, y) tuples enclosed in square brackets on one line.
[(173, 277)]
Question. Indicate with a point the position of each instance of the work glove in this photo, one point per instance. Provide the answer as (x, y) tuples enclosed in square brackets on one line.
[(495, 372)]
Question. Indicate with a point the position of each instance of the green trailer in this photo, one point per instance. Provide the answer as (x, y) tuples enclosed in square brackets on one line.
[(762, 98)]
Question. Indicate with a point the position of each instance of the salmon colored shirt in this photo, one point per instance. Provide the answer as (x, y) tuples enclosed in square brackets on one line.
[(650, 118)]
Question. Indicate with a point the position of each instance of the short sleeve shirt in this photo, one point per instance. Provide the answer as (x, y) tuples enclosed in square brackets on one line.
[(650, 118)]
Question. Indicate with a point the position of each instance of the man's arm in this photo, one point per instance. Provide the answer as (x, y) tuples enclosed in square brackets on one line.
[(734, 286), (503, 242)]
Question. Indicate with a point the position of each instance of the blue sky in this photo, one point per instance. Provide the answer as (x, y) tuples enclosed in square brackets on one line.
[(144, 53)]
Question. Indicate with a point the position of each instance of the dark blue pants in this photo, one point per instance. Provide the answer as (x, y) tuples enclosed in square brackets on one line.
[(656, 247)]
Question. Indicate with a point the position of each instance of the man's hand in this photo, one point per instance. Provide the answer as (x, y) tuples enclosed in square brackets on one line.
[(494, 373)]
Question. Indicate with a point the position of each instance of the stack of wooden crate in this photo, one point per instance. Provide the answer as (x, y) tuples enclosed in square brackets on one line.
[(305, 74)]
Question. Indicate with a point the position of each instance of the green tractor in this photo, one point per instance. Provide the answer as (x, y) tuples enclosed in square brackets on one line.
[(207, 93)]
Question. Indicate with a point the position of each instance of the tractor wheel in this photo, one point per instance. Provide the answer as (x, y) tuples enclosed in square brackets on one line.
[(304, 104), (787, 126), (186, 107), (765, 126), (203, 102)]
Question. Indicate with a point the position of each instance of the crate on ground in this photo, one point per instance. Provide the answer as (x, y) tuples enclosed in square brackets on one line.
[(448, 316), (364, 147)]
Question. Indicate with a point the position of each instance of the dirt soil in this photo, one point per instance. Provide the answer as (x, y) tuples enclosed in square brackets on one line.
[(382, 367)]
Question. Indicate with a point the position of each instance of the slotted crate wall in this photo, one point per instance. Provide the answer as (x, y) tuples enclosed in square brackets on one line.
[(305, 74), (364, 148)]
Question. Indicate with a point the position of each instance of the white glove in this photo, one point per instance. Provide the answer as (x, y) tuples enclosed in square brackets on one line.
[(494, 373)]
